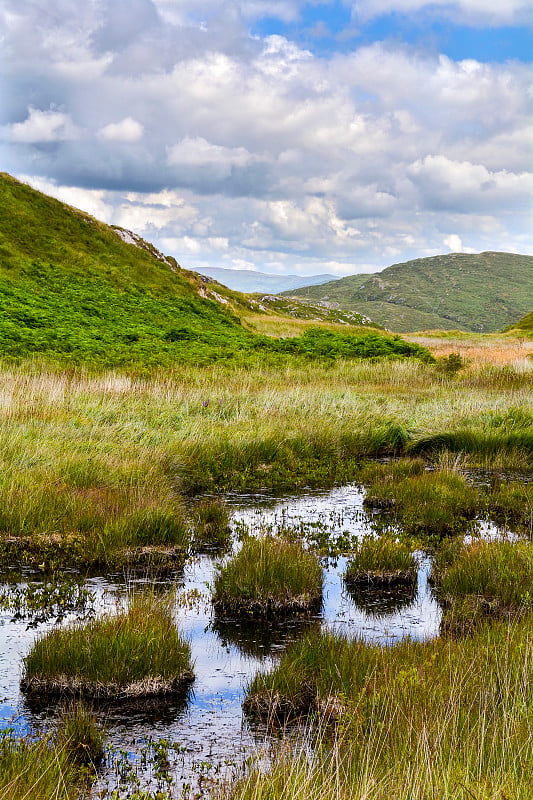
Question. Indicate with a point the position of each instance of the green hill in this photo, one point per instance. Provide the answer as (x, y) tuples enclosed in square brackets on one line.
[(523, 327), (74, 290), (482, 292)]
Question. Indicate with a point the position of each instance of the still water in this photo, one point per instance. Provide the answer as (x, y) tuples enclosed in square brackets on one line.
[(205, 736)]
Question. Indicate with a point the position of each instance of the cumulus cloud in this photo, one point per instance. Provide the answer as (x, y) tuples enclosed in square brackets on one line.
[(168, 117), (44, 126), (127, 130)]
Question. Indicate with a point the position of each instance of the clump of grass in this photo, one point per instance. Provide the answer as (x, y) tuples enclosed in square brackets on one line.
[(80, 734), (269, 576), (36, 769), (211, 524), (511, 504), (498, 572), (382, 560), (427, 504), (132, 654)]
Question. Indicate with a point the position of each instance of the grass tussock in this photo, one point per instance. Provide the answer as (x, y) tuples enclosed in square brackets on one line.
[(483, 579), (448, 718), (80, 734), (269, 576), (382, 561), (427, 504), (132, 654)]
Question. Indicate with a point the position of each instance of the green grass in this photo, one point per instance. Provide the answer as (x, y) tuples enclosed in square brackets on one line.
[(211, 525), (382, 560), (134, 653), (74, 292), (36, 770), (269, 576), (446, 291), (449, 718), (80, 734), (96, 464), (425, 504), (498, 571)]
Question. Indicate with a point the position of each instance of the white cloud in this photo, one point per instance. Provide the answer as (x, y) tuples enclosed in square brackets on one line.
[(251, 150), (125, 131), (198, 152), (477, 12), (44, 126)]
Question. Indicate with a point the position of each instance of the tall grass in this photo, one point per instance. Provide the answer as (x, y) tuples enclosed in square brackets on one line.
[(269, 576), (36, 770), (85, 456), (136, 652), (442, 719), (499, 571)]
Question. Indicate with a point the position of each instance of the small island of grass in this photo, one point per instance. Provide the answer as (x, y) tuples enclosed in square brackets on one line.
[(269, 577), (131, 655), (382, 562)]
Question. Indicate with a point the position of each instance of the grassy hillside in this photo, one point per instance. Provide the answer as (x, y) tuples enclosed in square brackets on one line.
[(75, 290), (483, 292), (524, 326)]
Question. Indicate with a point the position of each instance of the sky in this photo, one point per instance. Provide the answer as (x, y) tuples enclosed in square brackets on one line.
[(286, 136)]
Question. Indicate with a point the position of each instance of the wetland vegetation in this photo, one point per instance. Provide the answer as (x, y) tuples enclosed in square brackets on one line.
[(269, 577), (132, 654)]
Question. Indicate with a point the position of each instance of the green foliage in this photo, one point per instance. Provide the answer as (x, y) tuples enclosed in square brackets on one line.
[(446, 291), (115, 650), (267, 576), (451, 364), (74, 292)]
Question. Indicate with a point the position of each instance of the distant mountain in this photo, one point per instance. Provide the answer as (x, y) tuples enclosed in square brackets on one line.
[(248, 281), (482, 292)]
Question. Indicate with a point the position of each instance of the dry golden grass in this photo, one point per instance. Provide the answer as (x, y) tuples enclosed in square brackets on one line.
[(477, 350)]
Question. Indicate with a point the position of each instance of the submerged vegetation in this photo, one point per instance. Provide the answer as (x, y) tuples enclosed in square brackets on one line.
[(267, 577), (132, 654)]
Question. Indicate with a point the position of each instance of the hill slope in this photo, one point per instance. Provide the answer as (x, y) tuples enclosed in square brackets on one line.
[(75, 290), (524, 326), (482, 292)]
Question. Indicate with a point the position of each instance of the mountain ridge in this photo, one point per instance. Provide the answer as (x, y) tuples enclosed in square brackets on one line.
[(480, 292)]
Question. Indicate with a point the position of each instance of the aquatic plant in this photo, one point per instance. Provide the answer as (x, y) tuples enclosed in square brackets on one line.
[(269, 576), (210, 518), (79, 733)]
